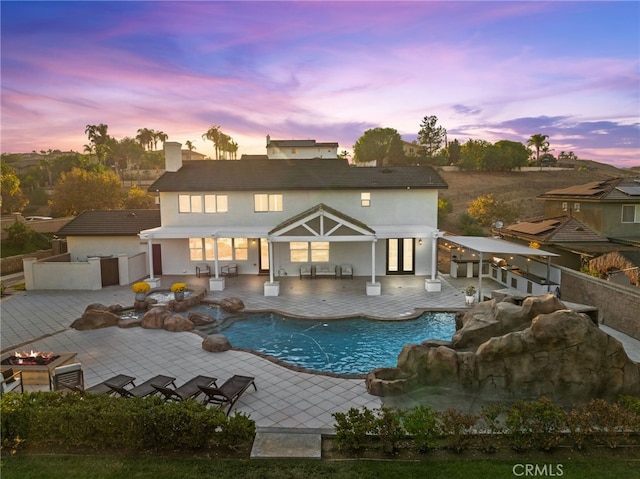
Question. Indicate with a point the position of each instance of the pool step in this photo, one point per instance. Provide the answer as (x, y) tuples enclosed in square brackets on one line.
[(277, 443)]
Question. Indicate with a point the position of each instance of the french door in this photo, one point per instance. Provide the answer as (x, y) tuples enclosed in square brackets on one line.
[(401, 256), (263, 267)]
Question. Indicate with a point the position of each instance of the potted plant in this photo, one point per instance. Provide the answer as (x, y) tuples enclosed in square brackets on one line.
[(470, 295), (178, 290), (141, 289)]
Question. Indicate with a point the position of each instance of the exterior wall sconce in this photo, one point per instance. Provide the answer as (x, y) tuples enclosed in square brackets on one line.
[(420, 242)]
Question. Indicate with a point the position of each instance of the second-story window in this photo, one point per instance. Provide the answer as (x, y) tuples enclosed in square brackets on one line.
[(215, 204), (195, 204), (189, 203), (266, 202), (576, 207), (365, 199), (631, 213)]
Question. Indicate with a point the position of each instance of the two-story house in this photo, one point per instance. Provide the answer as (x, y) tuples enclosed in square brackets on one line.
[(586, 221), (272, 216)]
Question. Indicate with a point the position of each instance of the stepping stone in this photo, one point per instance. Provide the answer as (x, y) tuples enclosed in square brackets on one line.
[(287, 445)]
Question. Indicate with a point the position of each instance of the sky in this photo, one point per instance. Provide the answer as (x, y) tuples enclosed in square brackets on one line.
[(328, 71)]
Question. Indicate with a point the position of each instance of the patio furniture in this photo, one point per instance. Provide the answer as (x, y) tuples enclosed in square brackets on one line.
[(229, 270), (69, 376), (326, 269), (121, 380), (227, 394), (306, 271), (144, 389), (346, 270), (11, 381), (203, 270), (190, 389)]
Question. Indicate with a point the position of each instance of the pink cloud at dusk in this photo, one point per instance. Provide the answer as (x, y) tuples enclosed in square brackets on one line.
[(323, 70)]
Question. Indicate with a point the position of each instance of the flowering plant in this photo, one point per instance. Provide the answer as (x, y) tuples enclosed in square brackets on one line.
[(469, 290), (140, 287), (178, 287)]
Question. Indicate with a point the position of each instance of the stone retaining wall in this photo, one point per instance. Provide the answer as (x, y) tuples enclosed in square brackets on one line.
[(13, 264)]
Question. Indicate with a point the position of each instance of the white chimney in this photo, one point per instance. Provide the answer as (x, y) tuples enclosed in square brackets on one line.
[(172, 155)]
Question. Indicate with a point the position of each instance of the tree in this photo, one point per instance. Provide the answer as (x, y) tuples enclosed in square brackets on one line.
[(80, 190), (145, 138), (505, 155), (99, 138), (539, 142), (380, 145), (472, 154), (453, 152), (487, 210), (190, 147), (158, 136), (12, 197), (213, 135), (138, 199), (431, 137)]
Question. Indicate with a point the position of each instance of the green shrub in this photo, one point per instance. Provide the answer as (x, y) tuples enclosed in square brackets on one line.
[(491, 427), (353, 429), (611, 422), (389, 429), (535, 424), (421, 423), (458, 429), (236, 431)]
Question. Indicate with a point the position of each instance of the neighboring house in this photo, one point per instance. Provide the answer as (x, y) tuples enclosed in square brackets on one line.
[(192, 155), (300, 149), (107, 232), (411, 149), (272, 217), (585, 221)]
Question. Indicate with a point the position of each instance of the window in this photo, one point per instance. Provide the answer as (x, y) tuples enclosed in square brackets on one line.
[(201, 249), (194, 204), (215, 203), (264, 202), (565, 206), (225, 249), (365, 199), (241, 249), (303, 251), (576, 207), (229, 249), (631, 213)]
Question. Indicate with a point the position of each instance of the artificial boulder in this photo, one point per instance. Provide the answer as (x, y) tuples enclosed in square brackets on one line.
[(561, 354), (231, 305), (95, 319), (216, 343), (199, 319), (155, 317), (176, 323)]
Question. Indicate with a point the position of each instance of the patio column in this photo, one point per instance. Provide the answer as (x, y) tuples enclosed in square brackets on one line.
[(270, 260), (153, 282), (480, 279), (271, 287), (373, 288), (215, 255), (433, 284), (216, 283)]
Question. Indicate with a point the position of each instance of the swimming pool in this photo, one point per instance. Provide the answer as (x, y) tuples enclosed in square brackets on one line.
[(341, 346)]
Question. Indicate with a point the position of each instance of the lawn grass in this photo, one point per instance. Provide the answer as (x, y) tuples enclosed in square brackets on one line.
[(103, 467)]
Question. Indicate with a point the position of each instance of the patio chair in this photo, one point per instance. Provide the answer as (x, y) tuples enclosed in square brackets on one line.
[(203, 270), (229, 270), (190, 389), (11, 381), (306, 270), (121, 380), (144, 389), (346, 270), (69, 376), (226, 395)]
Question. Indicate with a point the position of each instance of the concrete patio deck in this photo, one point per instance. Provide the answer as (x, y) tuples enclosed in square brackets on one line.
[(285, 399)]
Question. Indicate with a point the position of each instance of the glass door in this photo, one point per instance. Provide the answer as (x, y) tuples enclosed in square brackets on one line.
[(400, 256), (263, 267)]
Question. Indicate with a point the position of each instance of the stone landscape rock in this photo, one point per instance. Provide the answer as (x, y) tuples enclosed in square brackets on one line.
[(216, 343), (114, 308), (231, 305), (199, 319), (155, 317), (558, 353), (95, 319), (177, 323)]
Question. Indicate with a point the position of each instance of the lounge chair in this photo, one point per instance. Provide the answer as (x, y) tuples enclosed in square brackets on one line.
[(203, 270), (227, 394), (229, 270), (69, 376), (306, 270), (190, 389), (346, 270), (121, 380), (11, 381), (144, 389)]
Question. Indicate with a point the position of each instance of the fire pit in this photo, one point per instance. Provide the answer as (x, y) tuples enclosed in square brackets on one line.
[(37, 367)]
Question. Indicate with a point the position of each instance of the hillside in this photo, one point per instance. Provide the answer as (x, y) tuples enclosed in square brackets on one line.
[(516, 187)]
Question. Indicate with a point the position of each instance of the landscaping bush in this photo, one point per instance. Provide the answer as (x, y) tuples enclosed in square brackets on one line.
[(421, 423), (389, 429), (490, 427), (353, 427), (535, 424), (99, 422), (458, 429), (611, 422)]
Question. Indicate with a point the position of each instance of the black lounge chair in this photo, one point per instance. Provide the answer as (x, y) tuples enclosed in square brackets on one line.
[(144, 389), (228, 393), (121, 380), (190, 389)]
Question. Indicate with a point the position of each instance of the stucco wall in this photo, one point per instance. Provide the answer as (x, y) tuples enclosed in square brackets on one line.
[(619, 306)]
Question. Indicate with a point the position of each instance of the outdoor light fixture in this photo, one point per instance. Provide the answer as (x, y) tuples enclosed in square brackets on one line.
[(420, 242)]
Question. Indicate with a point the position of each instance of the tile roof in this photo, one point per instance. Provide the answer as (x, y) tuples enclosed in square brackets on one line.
[(612, 189), (560, 229), (279, 175), (300, 144), (111, 223)]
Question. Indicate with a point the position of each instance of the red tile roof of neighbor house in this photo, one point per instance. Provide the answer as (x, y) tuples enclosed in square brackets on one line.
[(111, 223), (279, 175)]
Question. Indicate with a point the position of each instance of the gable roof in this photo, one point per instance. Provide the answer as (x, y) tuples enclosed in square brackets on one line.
[(111, 223), (282, 175), (299, 144), (627, 189)]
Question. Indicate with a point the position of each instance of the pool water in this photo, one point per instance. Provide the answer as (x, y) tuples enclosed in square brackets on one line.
[(342, 346)]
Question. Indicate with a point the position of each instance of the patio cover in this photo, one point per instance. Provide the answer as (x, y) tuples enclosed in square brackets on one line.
[(481, 245)]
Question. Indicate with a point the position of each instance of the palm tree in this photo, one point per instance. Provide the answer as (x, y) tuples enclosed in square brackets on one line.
[(145, 138), (539, 142), (158, 136), (213, 135), (190, 147)]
